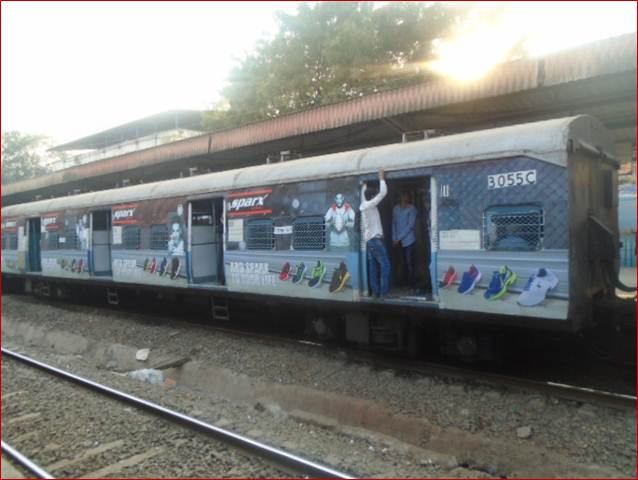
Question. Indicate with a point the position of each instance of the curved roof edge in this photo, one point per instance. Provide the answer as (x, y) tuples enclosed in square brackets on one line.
[(545, 140)]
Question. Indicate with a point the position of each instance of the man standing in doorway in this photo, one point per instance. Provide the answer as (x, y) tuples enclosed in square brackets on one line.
[(403, 222), (378, 262)]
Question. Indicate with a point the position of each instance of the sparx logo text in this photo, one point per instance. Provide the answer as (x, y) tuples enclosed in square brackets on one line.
[(49, 222), (248, 202), (124, 213)]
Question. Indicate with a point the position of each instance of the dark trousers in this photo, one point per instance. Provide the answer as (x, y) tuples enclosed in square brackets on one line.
[(408, 263)]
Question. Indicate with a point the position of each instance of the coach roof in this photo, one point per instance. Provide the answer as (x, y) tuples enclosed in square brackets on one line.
[(546, 140)]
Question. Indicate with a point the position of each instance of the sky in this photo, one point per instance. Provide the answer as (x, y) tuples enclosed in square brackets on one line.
[(70, 69)]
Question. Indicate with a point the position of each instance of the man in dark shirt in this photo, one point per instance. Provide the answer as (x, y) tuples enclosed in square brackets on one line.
[(404, 217)]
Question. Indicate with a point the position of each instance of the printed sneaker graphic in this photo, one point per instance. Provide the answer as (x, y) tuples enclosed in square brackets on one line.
[(469, 280), (163, 267), (340, 277), (285, 272), (80, 266), (146, 263), (449, 278), (317, 274), (501, 280), (537, 287), (72, 266), (153, 265), (176, 265), (299, 273)]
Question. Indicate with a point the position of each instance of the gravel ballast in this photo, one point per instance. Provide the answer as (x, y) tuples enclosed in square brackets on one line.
[(569, 438)]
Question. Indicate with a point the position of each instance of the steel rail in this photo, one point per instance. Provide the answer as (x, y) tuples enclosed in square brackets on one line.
[(279, 458), (24, 461), (559, 390)]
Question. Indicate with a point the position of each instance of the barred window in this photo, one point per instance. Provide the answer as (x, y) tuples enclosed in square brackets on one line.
[(513, 228), (71, 239), (260, 234), (131, 237), (52, 241), (309, 233), (159, 237), (201, 218), (12, 241)]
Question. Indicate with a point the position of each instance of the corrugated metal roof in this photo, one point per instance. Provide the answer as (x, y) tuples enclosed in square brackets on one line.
[(546, 140), (598, 59), (188, 119)]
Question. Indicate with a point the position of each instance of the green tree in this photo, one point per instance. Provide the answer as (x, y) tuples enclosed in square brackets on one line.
[(22, 156), (332, 52)]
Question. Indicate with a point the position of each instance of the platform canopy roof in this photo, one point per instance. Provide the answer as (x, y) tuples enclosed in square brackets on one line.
[(597, 79), (160, 122)]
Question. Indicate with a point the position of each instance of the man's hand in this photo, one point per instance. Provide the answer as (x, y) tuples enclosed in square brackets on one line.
[(395, 243), (381, 174)]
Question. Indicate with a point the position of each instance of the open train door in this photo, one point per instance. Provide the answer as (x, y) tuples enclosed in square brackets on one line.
[(206, 245), (34, 263), (100, 254)]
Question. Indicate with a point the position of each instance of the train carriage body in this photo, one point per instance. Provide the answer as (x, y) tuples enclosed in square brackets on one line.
[(528, 196)]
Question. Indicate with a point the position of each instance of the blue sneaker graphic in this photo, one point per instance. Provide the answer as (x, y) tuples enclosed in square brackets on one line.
[(469, 281), (495, 286), (501, 279)]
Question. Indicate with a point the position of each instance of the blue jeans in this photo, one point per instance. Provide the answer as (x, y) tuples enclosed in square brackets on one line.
[(378, 259)]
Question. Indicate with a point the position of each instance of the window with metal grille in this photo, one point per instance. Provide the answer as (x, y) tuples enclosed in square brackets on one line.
[(52, 241), (201, 218), (309, 233), (513, 228), (4, 242), (12, 241), (131, 237), (71, 240), (159, 237), (260, 234)]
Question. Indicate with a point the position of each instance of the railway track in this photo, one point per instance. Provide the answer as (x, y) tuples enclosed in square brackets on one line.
[(280, 460), (24, 462), (555, 389)]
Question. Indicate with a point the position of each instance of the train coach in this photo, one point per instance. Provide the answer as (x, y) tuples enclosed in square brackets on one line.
[(529, 213)]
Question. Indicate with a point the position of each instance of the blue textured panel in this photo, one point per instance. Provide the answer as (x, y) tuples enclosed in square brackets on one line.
[(469, 196)]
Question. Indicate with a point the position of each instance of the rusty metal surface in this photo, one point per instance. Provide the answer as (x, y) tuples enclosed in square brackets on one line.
[(598, 59), (606, 57)]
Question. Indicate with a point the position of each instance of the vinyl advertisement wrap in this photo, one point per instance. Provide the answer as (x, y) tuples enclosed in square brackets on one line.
[(64, 243), (504, 238), (298, 240), (13, 261), (149, 242)]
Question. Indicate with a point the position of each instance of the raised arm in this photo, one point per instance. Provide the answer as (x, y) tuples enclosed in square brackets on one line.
[(383, 190)]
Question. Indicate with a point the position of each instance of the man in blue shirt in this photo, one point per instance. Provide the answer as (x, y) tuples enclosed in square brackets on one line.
[(403, 222)]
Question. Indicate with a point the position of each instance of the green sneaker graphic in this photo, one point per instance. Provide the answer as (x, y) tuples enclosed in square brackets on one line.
[(317, 274)]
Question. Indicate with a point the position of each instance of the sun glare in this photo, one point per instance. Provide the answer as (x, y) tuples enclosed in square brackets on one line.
[(471, 55), (485, 39)]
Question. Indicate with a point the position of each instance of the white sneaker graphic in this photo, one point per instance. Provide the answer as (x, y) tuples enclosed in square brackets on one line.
[(537, 287)]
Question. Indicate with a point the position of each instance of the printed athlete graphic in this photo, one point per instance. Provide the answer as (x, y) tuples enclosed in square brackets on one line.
[(339, 218)]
